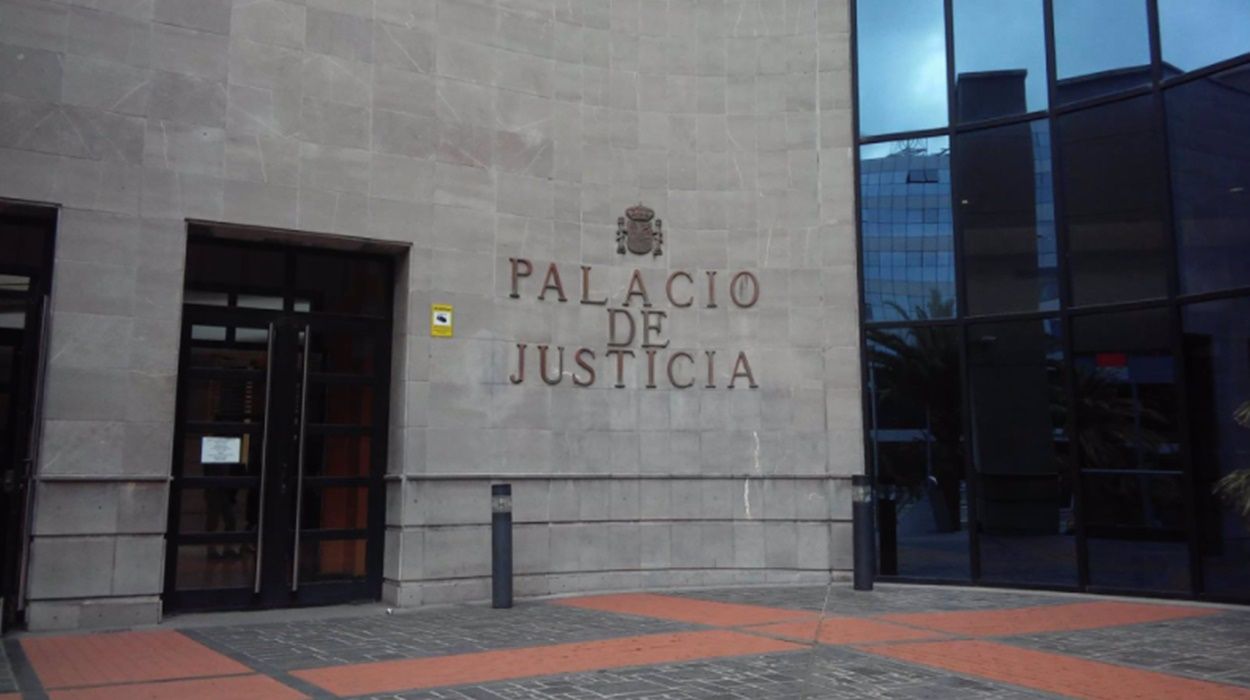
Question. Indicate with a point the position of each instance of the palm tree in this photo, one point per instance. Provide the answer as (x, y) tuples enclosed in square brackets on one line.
[(1109, 422), (920, 368), (1234, 487)]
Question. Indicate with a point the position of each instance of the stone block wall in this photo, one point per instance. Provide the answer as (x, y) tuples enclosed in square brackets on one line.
[(468, 132)]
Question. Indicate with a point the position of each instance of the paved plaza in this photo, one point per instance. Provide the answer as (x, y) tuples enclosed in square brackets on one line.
[(756, 643)]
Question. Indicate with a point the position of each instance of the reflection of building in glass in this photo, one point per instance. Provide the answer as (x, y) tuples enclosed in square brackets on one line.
[(908, 246), (916, 452), (1008, 219), (1069, 422), (1217, 347), (1091, 85), (1210, 154), (988, 94)]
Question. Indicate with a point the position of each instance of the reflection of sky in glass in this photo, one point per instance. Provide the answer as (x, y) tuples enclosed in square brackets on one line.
[(993, 35), (907, 236), (1197, 33), (1098, 35), (902, 65), (1044, 193)]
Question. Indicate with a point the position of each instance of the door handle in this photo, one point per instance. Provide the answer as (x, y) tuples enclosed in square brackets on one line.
[(299, 469), (264, 461)]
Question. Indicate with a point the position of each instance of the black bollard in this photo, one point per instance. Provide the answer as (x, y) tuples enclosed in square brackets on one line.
[(862, 524), (887, 529), (501, 545)]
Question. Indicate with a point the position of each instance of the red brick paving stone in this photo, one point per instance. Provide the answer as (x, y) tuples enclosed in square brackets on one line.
[(556, 659), (251, 687), (10, 696), (846, 630), (1055, 673), (1046, 618), (700, 612), (123, 657)]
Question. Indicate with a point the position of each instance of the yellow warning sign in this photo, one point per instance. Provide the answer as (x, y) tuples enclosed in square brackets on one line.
[(441, 320)]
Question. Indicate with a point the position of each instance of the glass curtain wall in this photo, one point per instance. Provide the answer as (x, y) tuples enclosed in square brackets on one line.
[(1054, 221)]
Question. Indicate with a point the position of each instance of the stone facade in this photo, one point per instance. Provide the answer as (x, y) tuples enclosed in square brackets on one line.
[(469, 133)]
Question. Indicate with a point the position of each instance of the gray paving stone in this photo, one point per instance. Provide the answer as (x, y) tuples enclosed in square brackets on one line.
[(280, 647), (883, 600), (8, 680), (820, 673), (1215, 648), (1210, 648)]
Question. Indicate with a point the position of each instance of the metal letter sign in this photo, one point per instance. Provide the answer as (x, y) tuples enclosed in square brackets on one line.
[(441, 320)]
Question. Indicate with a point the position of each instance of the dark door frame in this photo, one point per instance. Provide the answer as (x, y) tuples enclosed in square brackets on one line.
[(279, 440), (17, 467)]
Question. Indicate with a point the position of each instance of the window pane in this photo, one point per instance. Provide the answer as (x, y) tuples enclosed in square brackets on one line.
[(1209, 133), (1025, 502), (1006, 202), (908, 242), (1000, 58), (8, 367), (343, 353), (917, 453), (1101, 46), (332, 283), (332, 560), (260, 301), (192, 296), (335, 508), (13, 313), (1197, 33), (1113, 185), (23, 234), (1128, 437), (1136, 529), (14, 283), (902, 65), (248, 350), (224, 565), (222, 265), (337, 455), (225, 400), (218, 509), (1126, 391), (214, 333), (1217, 349), (340, 404)]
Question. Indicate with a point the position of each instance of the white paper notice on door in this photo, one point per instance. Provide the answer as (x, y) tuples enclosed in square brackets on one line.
[(220, 450)]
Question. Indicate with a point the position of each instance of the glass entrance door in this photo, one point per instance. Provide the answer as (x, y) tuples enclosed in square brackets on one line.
[(277, 496), (26, 240)]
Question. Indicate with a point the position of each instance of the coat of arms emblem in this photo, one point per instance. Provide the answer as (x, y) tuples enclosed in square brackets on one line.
[(634, 231)]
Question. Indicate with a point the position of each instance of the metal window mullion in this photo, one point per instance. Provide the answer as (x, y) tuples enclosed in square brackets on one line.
[(1176, 322), (1215, 295), (1058, 179), (866, 405), (902, 135), (1156, 43), (961, 306)]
